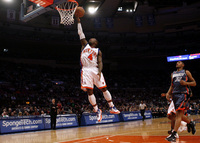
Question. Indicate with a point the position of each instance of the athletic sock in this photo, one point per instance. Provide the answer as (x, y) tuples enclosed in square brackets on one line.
[(92, 100), (108, 98)]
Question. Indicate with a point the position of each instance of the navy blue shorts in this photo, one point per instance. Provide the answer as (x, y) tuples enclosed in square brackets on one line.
[(180, 101)]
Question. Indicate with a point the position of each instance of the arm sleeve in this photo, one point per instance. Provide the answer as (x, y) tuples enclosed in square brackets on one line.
[(80, 32)]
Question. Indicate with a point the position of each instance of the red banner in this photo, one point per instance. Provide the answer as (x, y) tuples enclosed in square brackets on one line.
[(43, 3)]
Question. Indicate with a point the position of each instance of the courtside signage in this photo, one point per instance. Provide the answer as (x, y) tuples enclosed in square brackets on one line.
[(9, 125), (91, 119), (19, 125), (61, 121), (130, 116)]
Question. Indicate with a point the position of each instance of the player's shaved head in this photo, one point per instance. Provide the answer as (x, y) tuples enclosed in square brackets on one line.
[(93, 42)]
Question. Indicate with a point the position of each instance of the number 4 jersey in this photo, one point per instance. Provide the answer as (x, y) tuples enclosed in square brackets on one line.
[(89, 71), (89, 57)]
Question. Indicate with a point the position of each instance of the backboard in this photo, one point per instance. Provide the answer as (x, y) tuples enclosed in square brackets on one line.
[(33, 8)]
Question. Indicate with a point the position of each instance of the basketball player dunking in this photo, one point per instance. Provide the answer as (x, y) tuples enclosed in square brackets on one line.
[(91, 73), (179, 91)]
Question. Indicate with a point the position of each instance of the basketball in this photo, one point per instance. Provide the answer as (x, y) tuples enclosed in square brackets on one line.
[(79, 12)]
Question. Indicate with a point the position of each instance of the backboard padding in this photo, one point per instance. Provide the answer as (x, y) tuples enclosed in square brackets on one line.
[(30, 10)]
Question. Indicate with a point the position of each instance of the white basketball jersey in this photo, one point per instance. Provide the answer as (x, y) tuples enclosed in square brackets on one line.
[(89, 57)]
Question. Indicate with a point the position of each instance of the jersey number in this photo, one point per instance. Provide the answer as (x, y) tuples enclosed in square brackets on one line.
[(90, 57)]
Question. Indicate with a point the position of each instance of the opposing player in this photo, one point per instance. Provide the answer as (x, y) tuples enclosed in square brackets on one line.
[(171, 115), (91, 73), (180, 80)]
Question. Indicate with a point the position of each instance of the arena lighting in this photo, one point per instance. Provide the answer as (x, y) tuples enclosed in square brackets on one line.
[(129, 10), (5, 50), (120, 9), (8, 1), (92, 10), (135, 6)]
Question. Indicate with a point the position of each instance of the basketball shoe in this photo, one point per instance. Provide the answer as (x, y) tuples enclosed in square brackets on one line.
[(171, 131), (190, 126), (99, 115), (172, 137), (113, 110), (183, 127)]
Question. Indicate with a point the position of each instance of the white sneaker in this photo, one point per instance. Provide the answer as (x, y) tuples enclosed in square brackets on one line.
[(113, 110), (183, 127), (99, 115), (177, 136)]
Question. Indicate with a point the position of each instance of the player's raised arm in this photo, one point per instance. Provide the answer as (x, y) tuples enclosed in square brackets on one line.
[(81, 34), (100, 63)]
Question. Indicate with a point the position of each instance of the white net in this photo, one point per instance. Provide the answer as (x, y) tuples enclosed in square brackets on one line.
[(66, 11)]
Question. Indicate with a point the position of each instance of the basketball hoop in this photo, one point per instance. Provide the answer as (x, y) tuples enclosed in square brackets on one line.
[(66, 11)]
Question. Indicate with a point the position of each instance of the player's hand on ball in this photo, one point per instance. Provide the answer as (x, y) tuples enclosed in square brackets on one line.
[(182, 82), (78, 19), (99, 74)]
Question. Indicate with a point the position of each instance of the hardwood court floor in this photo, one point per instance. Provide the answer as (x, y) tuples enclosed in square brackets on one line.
[(149, 131)]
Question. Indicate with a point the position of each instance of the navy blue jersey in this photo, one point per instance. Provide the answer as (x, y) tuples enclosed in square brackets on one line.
[(177, 76)]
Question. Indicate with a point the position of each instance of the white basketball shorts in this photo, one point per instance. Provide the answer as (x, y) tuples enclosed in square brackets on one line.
[(171, 109), (89, 78)]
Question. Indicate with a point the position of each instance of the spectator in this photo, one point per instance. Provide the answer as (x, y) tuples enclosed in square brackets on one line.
[(59, 105), (9, 111), (20, 114), (25, 113), (12, 114), (4, 114), (31, 111), (42, 113), (36, 111), (196, 109)]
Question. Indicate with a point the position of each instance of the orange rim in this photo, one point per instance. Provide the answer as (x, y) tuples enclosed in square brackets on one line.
[(68, 9)]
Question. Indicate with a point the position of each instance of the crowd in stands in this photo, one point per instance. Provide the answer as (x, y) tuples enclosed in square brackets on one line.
[(28, 90)]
